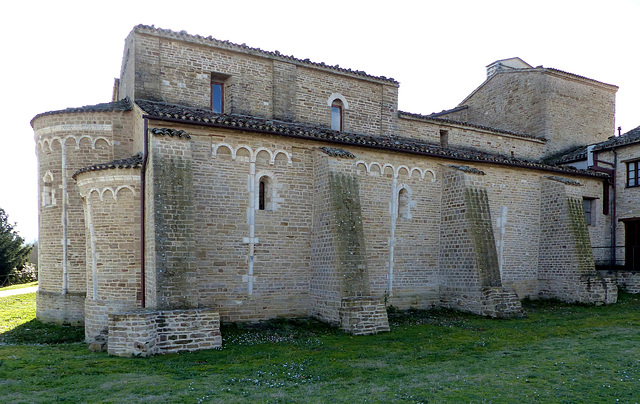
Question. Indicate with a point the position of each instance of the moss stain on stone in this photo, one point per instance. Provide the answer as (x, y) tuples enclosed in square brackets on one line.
[(174, 232), (481, 233), (350, 249), (580, 230)]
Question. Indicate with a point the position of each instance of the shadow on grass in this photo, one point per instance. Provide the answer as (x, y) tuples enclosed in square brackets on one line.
[(36, 332)]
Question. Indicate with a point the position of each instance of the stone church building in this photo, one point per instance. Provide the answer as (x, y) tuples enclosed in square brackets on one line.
[(229, 183)]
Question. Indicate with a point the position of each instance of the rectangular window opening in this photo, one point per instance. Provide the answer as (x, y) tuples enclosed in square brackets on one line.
[(444, 138), (633, 180), (587, 205), (217, 97)]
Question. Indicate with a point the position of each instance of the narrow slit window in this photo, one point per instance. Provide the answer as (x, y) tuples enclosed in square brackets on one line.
[(403, 203), (444, 138), (48, 194), (262, 189), (633, 169), (336, 115), (587, 205), (217, 97)]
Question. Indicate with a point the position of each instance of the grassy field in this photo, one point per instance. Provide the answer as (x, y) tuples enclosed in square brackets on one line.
[(557, 354), (20, 286)]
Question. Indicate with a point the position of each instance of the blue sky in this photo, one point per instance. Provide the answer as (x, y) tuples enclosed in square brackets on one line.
[(67, 53)]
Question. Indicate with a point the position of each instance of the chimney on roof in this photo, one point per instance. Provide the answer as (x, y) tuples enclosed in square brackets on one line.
[(506, 64)]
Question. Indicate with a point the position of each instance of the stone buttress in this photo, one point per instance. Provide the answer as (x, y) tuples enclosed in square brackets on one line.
[(567, 269), (469, 270), (340, 281)]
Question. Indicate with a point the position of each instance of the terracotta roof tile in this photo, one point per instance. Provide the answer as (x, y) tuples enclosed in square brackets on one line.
[(170, 132), (122, 105), (188, 115), (580, 153), (131, 162)]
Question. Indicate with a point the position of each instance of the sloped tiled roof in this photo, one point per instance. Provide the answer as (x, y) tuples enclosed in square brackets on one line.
[(178, 113), (435, 118), (170, 132), (131, 162), (445, 111), (254, 51), (633, 136), (580, 153), (122, 105)]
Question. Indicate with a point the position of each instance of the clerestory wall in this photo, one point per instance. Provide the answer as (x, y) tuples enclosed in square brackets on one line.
[(179, 68)]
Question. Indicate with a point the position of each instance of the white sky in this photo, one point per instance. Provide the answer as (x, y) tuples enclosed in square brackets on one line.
[(59, 54)]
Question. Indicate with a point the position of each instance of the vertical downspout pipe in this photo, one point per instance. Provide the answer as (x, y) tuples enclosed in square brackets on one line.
[(614, 211), (143, 177), (65, 221)]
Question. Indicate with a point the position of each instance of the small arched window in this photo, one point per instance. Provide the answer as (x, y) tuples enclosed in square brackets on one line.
[(336, 114), (265, 193), (404, 199), (48, 193)]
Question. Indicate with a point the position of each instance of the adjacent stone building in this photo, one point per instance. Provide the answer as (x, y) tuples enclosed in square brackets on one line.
[(229, 183)]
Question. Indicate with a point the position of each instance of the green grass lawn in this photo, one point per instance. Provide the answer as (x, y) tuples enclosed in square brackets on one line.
[(20, 286), (557, 354)]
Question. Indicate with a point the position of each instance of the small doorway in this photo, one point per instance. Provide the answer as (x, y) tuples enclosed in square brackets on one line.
[(632, 244)]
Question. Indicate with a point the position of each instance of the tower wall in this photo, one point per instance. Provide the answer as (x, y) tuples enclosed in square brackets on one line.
[(65, 142)]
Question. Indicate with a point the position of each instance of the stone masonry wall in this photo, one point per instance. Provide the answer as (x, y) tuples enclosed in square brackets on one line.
[(66, 142), (247, 274), (112, 219), (145, 333), (566, 110), (567, 269), (175, 273), (293, 245), (402, 237), (363, 315), (179, 68), (469, 268), (466, 138), (340, 267)]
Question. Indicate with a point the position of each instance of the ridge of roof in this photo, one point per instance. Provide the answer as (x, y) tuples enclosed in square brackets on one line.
[(576, 75), (247, 49), (533, 69), (131, 162), (197, 116), (446, 111), (469, 124), (122, 105)]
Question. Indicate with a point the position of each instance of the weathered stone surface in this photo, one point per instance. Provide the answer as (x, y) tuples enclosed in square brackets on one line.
[(264, 211)]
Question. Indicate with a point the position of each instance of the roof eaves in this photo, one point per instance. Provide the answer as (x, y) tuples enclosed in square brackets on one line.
[(131, 162), (448, 111), (195, 116), (631, 137), (122, 105)]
